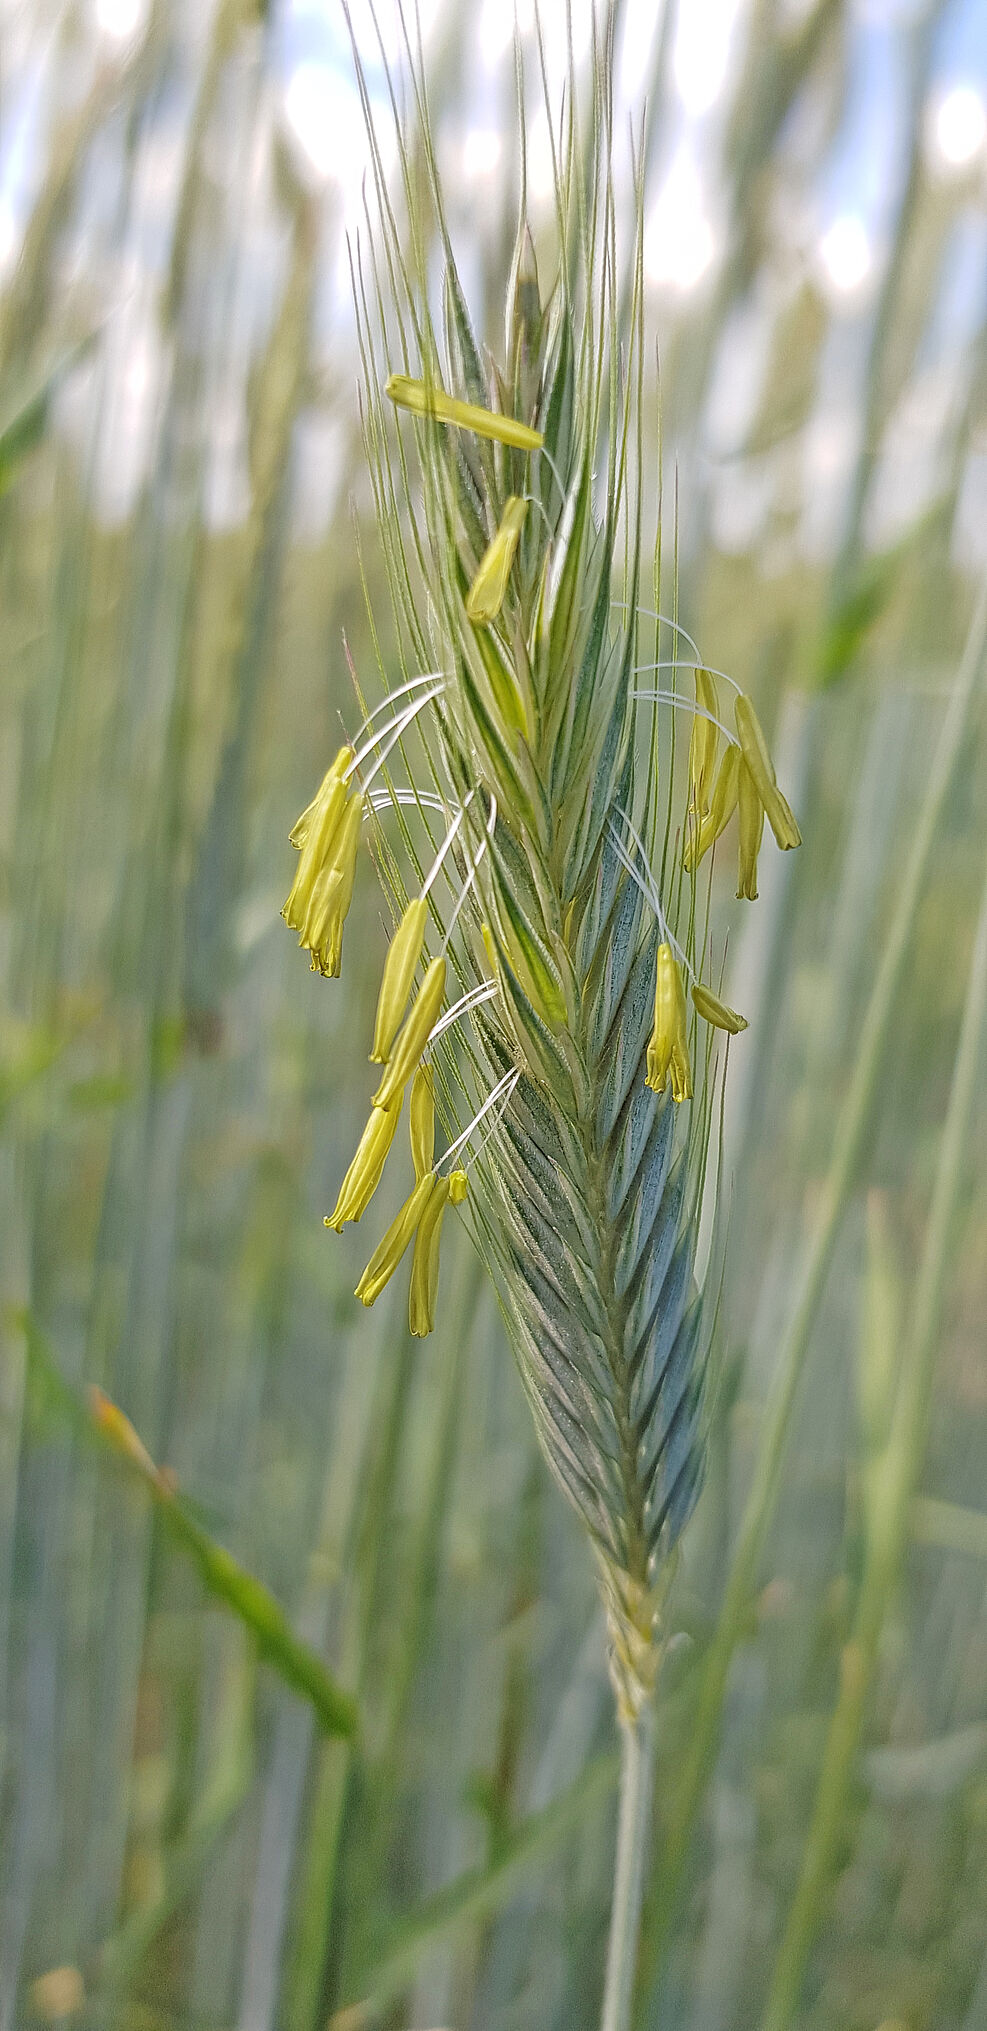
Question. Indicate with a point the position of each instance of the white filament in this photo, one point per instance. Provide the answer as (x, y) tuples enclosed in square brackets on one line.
[(444, 848), (484, 991), (646, 884), (685, 663), (427, 800), (686, 705), (471, 877), (390, 735), (400, 691), (505, 1088)]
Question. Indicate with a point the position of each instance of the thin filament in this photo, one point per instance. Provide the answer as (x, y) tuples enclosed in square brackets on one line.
[(686, 705), (394, 731), (428, 800), (471, 877), (484, 991), (400, 690), (505, 1088), (647, 885), (683, 663), (444, 848)]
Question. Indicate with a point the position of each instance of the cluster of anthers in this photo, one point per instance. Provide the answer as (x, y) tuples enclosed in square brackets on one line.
[(729, 771)]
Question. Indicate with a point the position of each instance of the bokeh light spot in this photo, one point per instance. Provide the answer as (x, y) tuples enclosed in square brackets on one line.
[(846, 255), (960, 127), (119, 19), (482, 150), (679, 244), (323, 114)]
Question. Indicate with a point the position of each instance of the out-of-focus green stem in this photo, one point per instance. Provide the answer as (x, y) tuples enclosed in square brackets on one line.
[(889, 1522), (314, 1919), (851, 1133), (224, 1576), (478, 1894), (949, 1526), (637, 1765), (229, 17)]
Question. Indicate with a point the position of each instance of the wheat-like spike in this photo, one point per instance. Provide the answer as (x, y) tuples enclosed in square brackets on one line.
[(576, 1081)]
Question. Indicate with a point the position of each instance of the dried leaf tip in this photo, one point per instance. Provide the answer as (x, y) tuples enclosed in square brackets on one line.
[(486, 594), (424, 400), (668, 1051)]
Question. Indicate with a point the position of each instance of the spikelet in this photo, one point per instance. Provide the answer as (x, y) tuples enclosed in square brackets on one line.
[(586, 1151)]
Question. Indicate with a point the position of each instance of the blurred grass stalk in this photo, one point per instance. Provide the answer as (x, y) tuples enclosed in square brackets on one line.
[(852, 1126), (890, 1481)]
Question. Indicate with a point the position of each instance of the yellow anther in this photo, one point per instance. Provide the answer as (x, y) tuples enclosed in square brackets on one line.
[(486, 594), (425, 400), (668, 1051), (415, 1034), (364, 1174), (715, 1011), (317, 906), (751, 828), (322, 831), (403, 954), (703, 744), (334, 774), (422, 1122), (387, 1255), (425, 1261), (755, 747), (722, 805), (322, 930)]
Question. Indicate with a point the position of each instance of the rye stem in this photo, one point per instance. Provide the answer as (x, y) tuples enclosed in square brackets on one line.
[(637, 1773)]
